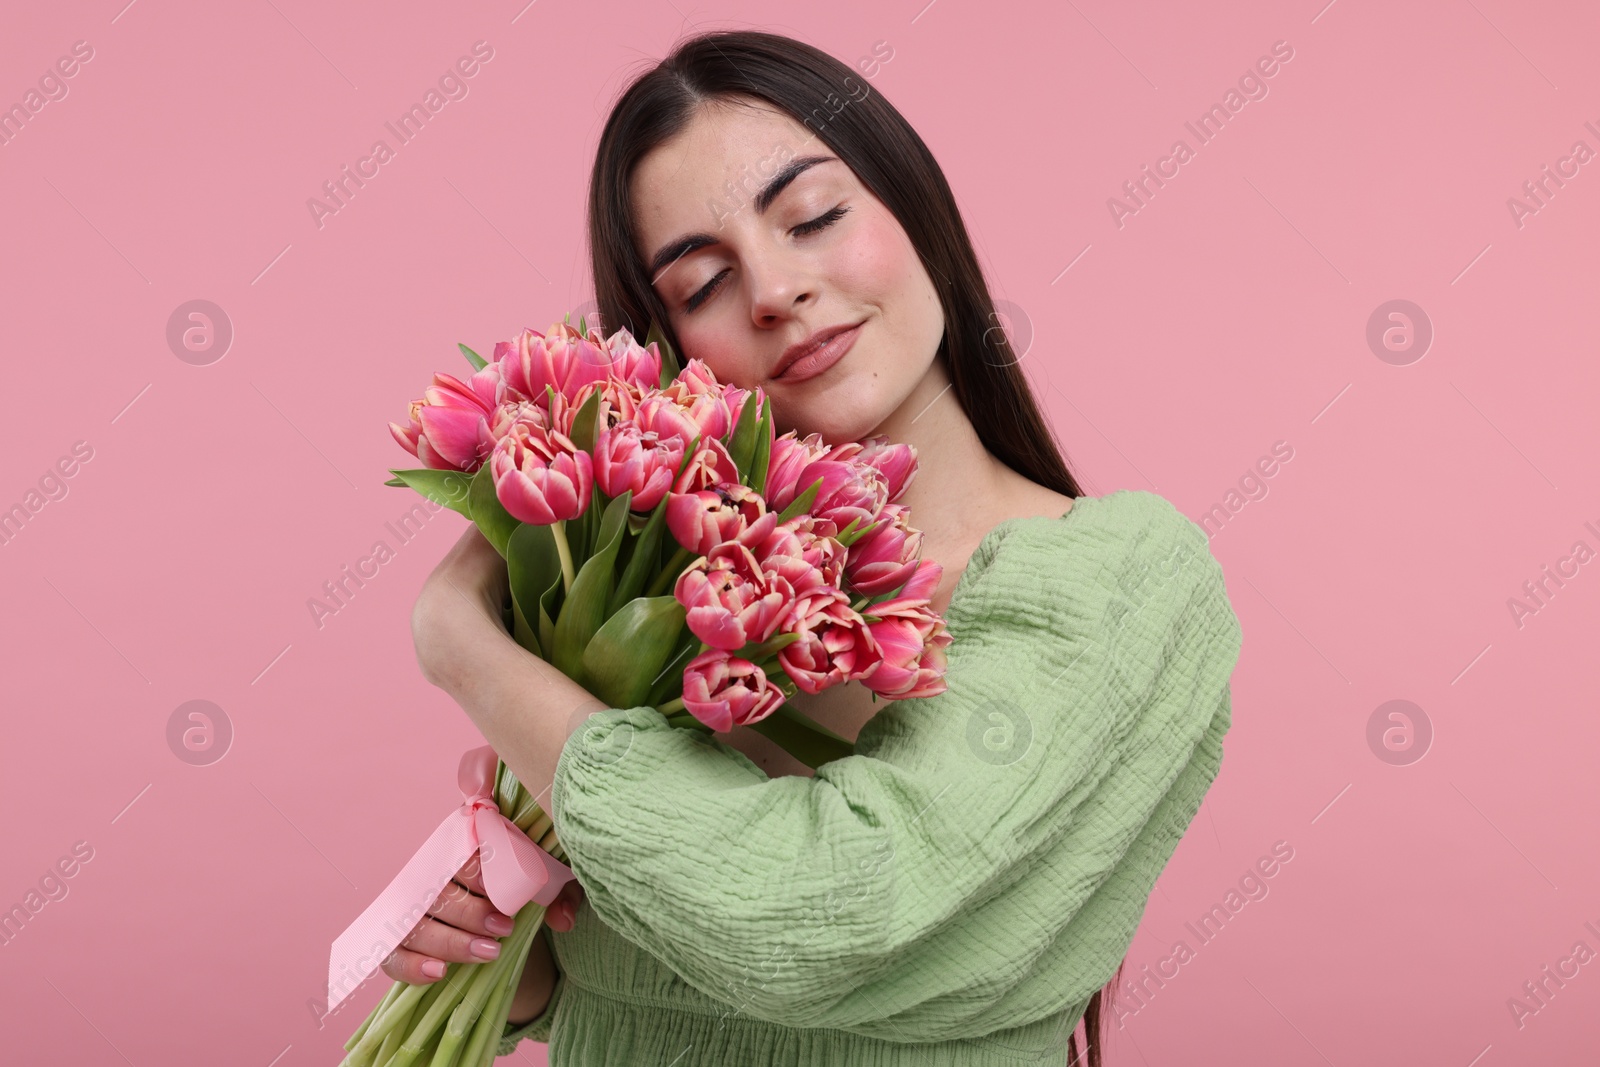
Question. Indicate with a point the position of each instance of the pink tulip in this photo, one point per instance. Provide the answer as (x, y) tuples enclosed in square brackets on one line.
[(540, 476), (634, 364), (724, 691), (563, 359), (788, 458), (710, 466), (729, 601), (702, 519), (910, 664), (665, 417), (886, 558), (849, 491), (834, 644), (910, 639), (897, 463), (443, 431), (628, 459)]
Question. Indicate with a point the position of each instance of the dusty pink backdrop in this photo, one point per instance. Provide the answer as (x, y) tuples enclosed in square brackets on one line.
[(1222, 324)]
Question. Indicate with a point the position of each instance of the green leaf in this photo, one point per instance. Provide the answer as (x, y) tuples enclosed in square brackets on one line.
[(585, 607), (533, 566), (670, 368), (395, 481), (670, 684), (450, 488), (646, 558), (763, 455), (631, 649), (477, 361), (523, 632), (486, 510), (742, 441), (583, 430), (807, 741), (801, 503)]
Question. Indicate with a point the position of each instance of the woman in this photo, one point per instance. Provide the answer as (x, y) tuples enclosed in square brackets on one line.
[(960, 890)]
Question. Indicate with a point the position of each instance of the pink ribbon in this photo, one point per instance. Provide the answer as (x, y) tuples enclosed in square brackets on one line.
[(515, 871)]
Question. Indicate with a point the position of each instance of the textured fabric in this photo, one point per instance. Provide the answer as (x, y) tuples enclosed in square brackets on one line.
[(956, 890)]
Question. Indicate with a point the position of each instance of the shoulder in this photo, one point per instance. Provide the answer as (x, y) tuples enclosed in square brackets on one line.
[(1109, 558), (1126, 529)]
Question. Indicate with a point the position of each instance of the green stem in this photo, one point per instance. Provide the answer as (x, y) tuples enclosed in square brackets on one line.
[(383, 1006), (671, 706), (559, 531), (396, 1035), (398, 1009), (455, 983), (670, 573)]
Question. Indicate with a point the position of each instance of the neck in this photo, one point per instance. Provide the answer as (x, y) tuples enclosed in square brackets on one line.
[(959, 486)]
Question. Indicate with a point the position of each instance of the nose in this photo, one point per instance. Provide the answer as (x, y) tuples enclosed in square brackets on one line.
[(779, 285)]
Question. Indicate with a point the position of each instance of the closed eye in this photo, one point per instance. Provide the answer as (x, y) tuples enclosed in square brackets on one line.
[(821, 222)]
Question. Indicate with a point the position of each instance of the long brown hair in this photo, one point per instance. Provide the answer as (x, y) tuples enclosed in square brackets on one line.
[(890, 159)]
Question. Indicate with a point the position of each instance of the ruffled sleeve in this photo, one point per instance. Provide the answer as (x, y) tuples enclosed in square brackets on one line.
[(983, 859)]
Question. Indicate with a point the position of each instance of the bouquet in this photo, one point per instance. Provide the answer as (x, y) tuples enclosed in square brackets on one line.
[(664, 548)]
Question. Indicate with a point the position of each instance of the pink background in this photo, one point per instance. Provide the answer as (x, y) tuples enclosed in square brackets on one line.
[(1228, 314)]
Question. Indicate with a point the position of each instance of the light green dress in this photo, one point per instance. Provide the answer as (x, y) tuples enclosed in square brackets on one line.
[(955, 891)]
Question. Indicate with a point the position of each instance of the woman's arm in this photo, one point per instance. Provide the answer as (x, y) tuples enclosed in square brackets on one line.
[(524, 707)]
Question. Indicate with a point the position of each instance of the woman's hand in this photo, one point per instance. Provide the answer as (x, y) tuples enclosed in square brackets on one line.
[(462, 926)]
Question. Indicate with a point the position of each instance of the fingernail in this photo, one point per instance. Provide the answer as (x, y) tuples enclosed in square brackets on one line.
[(497, 924), (433, 968), (483, 948)]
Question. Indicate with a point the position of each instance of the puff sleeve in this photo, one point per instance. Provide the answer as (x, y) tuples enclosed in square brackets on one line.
[(983, 859)]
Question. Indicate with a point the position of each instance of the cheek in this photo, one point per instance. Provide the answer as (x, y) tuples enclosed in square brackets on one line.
[(876, 263), (718, 346)]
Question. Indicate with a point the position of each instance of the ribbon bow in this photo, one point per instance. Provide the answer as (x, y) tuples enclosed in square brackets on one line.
[(515, 871)]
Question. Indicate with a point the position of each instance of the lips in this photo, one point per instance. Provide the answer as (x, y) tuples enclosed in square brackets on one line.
[(809, 345)]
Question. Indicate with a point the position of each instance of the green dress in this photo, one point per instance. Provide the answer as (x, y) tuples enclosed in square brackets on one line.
[(955, 891)]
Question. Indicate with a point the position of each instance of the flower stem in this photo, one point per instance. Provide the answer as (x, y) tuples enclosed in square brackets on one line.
[(669, 574), (676, 704), (397, 1010), (559, 530)]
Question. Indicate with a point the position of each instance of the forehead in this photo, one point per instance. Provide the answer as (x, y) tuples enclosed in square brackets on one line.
[(741, 143)]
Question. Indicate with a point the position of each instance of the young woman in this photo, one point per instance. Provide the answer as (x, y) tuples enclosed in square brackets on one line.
[(959, 890)]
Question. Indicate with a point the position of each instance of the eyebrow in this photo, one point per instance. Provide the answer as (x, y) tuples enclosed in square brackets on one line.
[(676, 249)]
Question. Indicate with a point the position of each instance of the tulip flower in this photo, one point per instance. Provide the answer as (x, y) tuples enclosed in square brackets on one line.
[(540, 476), (730, 601), (724, 691)]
